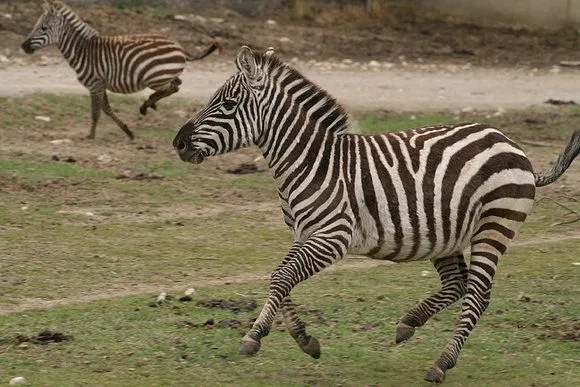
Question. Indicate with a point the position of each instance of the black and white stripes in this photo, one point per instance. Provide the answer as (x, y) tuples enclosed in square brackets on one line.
[(122, 64), (428, 193)]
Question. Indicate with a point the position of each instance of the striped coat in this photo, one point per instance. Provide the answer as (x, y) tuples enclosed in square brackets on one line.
[(427, 193), (122, 64)]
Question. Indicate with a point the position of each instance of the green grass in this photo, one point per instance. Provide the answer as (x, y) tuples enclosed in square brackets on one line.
[(126, 342), (36, 170)]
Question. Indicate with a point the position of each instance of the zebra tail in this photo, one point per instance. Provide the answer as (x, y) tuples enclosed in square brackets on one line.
[(570, 152), (214, 46)]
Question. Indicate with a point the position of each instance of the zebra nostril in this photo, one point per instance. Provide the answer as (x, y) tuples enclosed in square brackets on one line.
[(181, 145)]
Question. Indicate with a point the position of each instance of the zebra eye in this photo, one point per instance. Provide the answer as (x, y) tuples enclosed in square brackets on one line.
[(43, 28), (229, 104)]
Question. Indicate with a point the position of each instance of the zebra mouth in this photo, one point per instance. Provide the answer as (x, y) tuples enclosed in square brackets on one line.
[(197, 156), (27, 48)]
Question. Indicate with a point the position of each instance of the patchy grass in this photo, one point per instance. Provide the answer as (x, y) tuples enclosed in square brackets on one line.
[(525, 338), (78, 231)]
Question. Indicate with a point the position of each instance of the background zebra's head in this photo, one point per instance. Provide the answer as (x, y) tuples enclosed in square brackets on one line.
[(231, 119), (47, 29)]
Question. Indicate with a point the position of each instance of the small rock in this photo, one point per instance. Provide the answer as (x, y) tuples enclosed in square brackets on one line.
[(24, 208), (17, 380), (89, 214), (284, 39), (179, 17), (555, 70), (467, 109), (216, 20), (8, 16), (576, 263), (347, 61), (190, 292), (161, 298), (60, 141), (425, 273), (271, 22), (42, 118), (4, 59), (104, 158), (374, 64), (523, 298)]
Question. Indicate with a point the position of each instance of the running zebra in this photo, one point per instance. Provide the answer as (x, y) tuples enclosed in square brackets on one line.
[(122, 64), (424, 194)]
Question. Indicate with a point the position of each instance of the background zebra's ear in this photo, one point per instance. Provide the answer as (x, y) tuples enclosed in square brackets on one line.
[(46, 5), (246, 62)]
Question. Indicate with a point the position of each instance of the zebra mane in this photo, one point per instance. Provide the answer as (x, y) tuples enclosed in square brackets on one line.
[(271, 64), (73, 18)]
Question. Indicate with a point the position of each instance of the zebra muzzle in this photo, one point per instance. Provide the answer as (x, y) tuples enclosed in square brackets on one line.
[(27, 47)]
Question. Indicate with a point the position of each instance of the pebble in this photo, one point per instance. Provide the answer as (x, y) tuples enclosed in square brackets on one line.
[(60, 141), (271, 22), (189, 292), (179, 17), (42, 118), (17, 381), (161, 298), (284, 39)]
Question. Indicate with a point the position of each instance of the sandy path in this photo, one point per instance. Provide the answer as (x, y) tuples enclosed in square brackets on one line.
[(400, 88)]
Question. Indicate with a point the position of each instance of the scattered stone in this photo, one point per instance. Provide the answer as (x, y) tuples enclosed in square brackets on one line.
[(523, 298), (24, 208), (129, 175), (161, 298), (7, 16), (570, 63), (347, 61), (284, 39), (179, 17), (17, 381), (216, 20), (4, 59), (42, 118), (374, 64), (190, 292), (425, 273), (271, 22), (104, 158), (61, 141), (67, 159), (467, 109), (555, 70)]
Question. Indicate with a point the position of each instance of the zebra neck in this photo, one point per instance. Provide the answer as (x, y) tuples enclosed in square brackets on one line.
[(75, 36)]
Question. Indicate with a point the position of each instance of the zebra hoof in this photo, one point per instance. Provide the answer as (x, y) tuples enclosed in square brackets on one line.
[(143, 109), (435, 375), (249, 346), (312, 347), (404, 332)]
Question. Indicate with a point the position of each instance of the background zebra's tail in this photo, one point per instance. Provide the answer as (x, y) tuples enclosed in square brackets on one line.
[(563, 161), (214, 46)]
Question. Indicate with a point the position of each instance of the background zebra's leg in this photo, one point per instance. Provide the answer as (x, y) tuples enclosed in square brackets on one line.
[(453, 274), (160, 92), (96, 106), (108, 111), (482, 269), (316, 254)]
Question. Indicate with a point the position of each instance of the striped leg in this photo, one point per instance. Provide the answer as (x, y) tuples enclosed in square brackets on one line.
[(453, 274), (297, 329), (171, 88), (96, 106), (109, 111), (485, 252), (316, 254)]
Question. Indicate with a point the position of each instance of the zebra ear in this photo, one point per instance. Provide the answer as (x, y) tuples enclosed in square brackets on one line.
[(246, 62), (46, 6)]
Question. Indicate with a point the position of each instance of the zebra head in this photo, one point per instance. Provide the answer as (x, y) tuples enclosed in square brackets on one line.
[(230, 120), (47, 29)]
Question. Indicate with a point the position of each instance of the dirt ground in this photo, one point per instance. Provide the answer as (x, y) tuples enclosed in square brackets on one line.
[(393, 34)]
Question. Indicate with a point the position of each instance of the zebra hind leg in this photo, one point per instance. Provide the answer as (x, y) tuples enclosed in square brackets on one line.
[(96, 106), (171, 88), (484, 257), (109, 111), (297, 329), (453, 274)]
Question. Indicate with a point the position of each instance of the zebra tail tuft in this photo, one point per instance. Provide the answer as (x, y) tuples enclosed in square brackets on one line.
[(214, 46), (570, 152)]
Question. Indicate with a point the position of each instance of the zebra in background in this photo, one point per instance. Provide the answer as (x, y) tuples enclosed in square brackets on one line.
[(422, 194), (122, 64)]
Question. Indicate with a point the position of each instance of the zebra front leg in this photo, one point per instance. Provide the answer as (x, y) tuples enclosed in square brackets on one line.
[(316, 254), (109, 111), (171, 88), (453, 274), (479, 282), (297, 329)]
